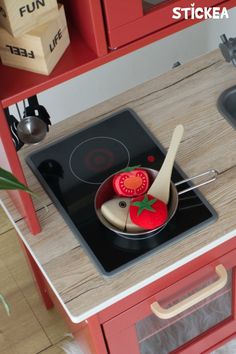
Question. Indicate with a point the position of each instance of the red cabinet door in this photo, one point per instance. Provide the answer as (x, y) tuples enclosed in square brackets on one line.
[(129, 20), (228, 345), (205, 315)]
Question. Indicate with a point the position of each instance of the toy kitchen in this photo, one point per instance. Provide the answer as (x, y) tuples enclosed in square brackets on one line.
[(131, 232)]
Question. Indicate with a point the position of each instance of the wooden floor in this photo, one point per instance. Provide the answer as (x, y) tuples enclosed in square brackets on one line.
[(30, 329)]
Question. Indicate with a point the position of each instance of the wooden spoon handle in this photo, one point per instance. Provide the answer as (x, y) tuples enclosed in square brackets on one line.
[(160, 188)]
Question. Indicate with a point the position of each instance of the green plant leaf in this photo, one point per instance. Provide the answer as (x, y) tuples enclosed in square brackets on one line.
[(8, 181), (5, 304)]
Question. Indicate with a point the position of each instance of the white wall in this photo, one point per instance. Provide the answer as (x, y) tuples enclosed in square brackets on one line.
[(118, 76)]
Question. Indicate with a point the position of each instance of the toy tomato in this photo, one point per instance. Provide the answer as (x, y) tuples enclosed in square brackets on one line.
[(148, 212), (131, 182)]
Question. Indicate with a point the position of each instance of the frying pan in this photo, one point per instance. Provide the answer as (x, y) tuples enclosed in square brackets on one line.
[(105, 192)]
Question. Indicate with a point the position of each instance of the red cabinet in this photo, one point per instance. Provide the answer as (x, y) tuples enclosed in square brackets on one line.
[(190, 315), (130, 20), (196, 312)]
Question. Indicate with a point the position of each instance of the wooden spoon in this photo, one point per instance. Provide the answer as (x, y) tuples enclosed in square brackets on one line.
[(160, 188)]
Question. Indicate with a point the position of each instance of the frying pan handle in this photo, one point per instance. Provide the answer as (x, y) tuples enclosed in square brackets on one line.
[(212, 177)]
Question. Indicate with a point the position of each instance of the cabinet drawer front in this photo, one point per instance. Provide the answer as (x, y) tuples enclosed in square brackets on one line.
[(130, 20), (227, 346), (209, 300)]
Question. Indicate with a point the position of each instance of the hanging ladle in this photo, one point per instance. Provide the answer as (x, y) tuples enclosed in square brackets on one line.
[(31, 129)]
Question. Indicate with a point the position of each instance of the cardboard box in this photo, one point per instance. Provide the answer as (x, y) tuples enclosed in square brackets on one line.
[(21, 16), (40, 49)]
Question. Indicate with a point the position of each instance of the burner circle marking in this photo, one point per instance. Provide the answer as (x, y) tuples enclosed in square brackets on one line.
[(99, 160)]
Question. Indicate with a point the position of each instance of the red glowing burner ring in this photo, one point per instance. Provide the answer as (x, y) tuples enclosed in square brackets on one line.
[(151, 158)]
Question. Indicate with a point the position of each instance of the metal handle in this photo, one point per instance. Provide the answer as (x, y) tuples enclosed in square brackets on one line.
[(18, 111), (212, 172), (194, 299), (33, 101)]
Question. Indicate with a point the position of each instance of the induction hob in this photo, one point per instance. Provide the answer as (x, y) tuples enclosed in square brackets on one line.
[(71, 170)]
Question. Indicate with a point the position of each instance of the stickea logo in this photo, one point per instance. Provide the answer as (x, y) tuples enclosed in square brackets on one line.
[(200, 13)]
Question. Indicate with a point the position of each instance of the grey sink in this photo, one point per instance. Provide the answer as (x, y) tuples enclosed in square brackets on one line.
[(227, 105)]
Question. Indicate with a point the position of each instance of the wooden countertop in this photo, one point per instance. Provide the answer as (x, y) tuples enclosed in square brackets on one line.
[(184, 95)]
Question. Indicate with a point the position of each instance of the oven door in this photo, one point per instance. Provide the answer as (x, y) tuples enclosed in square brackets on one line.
[(129, 20), (189, 316)]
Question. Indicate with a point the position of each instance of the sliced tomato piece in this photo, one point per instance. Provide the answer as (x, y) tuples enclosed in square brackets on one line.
[(148, 212), (131, 183)]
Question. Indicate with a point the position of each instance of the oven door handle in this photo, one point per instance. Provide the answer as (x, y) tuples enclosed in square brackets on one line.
[(194, 299)]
